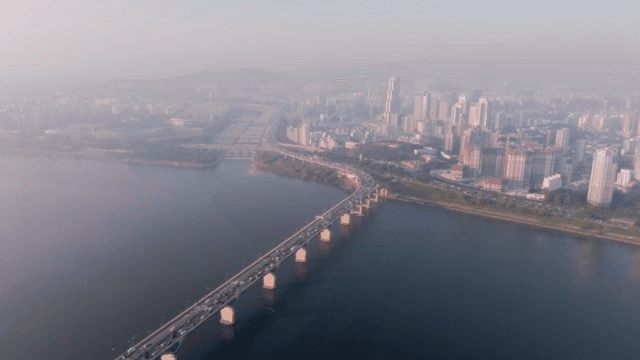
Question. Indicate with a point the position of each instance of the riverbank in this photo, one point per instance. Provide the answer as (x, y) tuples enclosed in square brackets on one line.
[(517, 219), (280, 165), (138, 162)]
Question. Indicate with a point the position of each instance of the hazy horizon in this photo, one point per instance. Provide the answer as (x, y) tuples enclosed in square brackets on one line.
[(60, 41)]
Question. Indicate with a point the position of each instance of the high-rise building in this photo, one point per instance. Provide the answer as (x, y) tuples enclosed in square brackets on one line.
[(603, 173), (421, 105), (492, 162), (484, 112), (494, 139), (601, 121), (636, 164), (474, 160), (584, 121), (474, 115), (562, 138), (304, 135), (580, 146), (629, 146), (393, 120), (514, 167), (421, 127), (450, 142), (433, 108), (392, 104), (499, 120), (292, 134), (624, 177), (629, 124), (540, 164), (409, 125), (456, 114), (443, 110), (567, 170)]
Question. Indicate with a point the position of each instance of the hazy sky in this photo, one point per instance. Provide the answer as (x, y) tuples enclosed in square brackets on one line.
[(99, 39)]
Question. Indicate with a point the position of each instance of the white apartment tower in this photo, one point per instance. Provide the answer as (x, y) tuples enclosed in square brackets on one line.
[(603, 174)]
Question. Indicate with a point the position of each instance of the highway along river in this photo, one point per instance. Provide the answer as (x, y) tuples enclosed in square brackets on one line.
[(93, 256)]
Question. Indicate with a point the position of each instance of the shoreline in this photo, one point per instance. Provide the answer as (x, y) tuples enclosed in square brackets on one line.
[(519, 220), (134, 162)]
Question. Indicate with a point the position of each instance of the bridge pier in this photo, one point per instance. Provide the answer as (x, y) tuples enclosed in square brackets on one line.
[(358, 210), (345, 219), (366, 203), (269, 281), (169, 357), (227, 316), (384, 193), (301, 255), (325, 235), (374, 197)]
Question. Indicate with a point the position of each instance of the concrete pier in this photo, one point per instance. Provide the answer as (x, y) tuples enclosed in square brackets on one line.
[(301, 255), (269, 281), (227, 316), (325, 235), (345, 219)]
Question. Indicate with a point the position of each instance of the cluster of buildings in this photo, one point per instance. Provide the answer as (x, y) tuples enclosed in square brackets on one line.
[(299, 135)]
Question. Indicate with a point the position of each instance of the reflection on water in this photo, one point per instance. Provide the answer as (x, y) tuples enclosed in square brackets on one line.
[(268, 296), (583, 261), (301, 271), (324, 249), (226, 332), (634, 269)]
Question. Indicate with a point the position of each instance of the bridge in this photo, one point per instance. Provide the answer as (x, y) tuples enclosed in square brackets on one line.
[(167, 339)]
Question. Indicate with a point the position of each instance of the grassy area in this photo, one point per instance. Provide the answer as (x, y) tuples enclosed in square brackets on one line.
[(508, 211), (294, 168)]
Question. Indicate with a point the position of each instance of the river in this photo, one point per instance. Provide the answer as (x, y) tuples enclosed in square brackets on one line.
[(94, 255)]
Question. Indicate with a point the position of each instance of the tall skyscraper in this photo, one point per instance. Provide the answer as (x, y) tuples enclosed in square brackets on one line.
[(603, 174), (484, 112), (392, 105), (421, 106)]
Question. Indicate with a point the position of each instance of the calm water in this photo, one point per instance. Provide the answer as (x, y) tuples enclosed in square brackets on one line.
[(93, 254)]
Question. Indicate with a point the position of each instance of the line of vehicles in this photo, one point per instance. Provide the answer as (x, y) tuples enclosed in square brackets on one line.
[(213, 302)]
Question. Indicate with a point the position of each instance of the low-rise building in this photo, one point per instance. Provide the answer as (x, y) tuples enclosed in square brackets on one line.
[(624, 177), (351, 145), (492, 183), (459, 172), (410, 164), (552, 182), (533, 196)]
